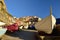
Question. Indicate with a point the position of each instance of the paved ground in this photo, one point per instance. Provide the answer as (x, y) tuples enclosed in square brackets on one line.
[(21, 35), (26, 35)]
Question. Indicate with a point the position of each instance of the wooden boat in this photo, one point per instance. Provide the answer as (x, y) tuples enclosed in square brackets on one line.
[(1, 23), (47, 24), (2, 30)]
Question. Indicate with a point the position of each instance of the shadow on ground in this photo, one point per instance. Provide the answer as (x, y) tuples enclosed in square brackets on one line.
[(25, 35)]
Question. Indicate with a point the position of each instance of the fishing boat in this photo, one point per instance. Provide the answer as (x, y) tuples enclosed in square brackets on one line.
[(47, 24), (2, 30)]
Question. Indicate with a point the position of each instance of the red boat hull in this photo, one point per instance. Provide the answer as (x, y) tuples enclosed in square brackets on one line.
[(13, 27)]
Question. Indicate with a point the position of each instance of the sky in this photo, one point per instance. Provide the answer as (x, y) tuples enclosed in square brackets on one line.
[(39, 8)]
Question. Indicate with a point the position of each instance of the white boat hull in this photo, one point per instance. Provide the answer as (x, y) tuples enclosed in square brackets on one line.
[(46, 25), (2, 31)]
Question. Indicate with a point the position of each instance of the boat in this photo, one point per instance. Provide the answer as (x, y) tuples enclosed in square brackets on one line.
[(47, 24), (2, 29)]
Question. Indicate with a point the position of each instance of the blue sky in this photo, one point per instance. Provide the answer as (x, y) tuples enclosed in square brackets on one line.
[(40, 8)]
